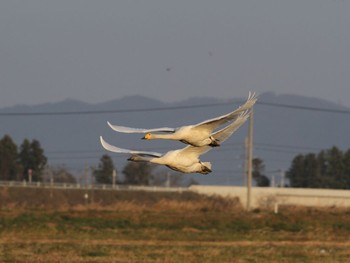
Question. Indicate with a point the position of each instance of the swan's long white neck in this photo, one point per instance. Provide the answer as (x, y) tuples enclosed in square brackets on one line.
[(166, 136), (139, 158)]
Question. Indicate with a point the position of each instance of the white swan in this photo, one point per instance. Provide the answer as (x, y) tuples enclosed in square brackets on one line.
[(184, 160), (198, 134)]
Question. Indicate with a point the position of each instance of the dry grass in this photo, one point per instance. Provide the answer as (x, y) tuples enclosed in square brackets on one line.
[(62, 200), (162, 227), (163, 251)]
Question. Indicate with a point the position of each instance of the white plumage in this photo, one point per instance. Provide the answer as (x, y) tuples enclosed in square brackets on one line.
[(199, 134), (185, 160)]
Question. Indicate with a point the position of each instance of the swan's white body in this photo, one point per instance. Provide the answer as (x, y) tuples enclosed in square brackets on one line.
[(199, 134), (185, 160)]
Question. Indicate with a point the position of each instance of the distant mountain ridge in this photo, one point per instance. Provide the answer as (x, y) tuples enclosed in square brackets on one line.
[(142, 101), (298, 100), (279, 132)]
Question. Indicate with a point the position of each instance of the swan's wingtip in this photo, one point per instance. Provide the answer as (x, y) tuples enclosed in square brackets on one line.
[(252, 94), (102, 141)]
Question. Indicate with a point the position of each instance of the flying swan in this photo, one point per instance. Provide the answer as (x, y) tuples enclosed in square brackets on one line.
[(199, 134), (185, 160)]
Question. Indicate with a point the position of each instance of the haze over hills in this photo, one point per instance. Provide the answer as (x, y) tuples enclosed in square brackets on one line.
[(69, 130)]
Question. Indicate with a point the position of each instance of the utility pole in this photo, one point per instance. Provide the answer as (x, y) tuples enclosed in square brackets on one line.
[(250, 161), (245, 161), (282, 178), (86, 176), (114, 176), (168, 183), (86, 195), (30, 175)]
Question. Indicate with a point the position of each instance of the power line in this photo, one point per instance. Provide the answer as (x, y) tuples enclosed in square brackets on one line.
[(91, 112), (287, 146), (276, 150), (113, 111), (303, 107), (227, 147)]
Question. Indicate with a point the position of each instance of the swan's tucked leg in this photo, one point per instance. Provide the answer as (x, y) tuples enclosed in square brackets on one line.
[(214, 142)]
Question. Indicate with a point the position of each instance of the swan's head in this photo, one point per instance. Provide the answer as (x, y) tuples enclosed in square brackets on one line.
[(147, 136), (135, 158)]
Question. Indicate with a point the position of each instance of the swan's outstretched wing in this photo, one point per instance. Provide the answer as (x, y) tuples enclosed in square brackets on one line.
[(227, 131), (138, 130), (195, 151), (221, 135), (212, 124), (115, 149)]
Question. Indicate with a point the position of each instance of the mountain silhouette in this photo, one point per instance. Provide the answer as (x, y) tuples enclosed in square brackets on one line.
[(284, 126)]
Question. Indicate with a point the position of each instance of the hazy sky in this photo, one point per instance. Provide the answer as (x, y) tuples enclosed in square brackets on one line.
[(96, 51)]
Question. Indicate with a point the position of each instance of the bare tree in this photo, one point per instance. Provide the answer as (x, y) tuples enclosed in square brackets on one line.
[(138, 173)]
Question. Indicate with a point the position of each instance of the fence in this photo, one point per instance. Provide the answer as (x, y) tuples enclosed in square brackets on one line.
[(262, 197), (267, 197), (91, 186)]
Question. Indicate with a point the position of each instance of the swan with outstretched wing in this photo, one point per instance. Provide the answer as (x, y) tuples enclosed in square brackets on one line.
[(185, 160), (199, 134)]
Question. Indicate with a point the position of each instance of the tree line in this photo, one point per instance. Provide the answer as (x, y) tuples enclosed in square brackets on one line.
[(326, 169), (28, 162), (20, 163), (137, 173)]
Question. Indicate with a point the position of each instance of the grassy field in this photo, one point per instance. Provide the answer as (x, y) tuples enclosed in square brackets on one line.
[(38, 225)]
